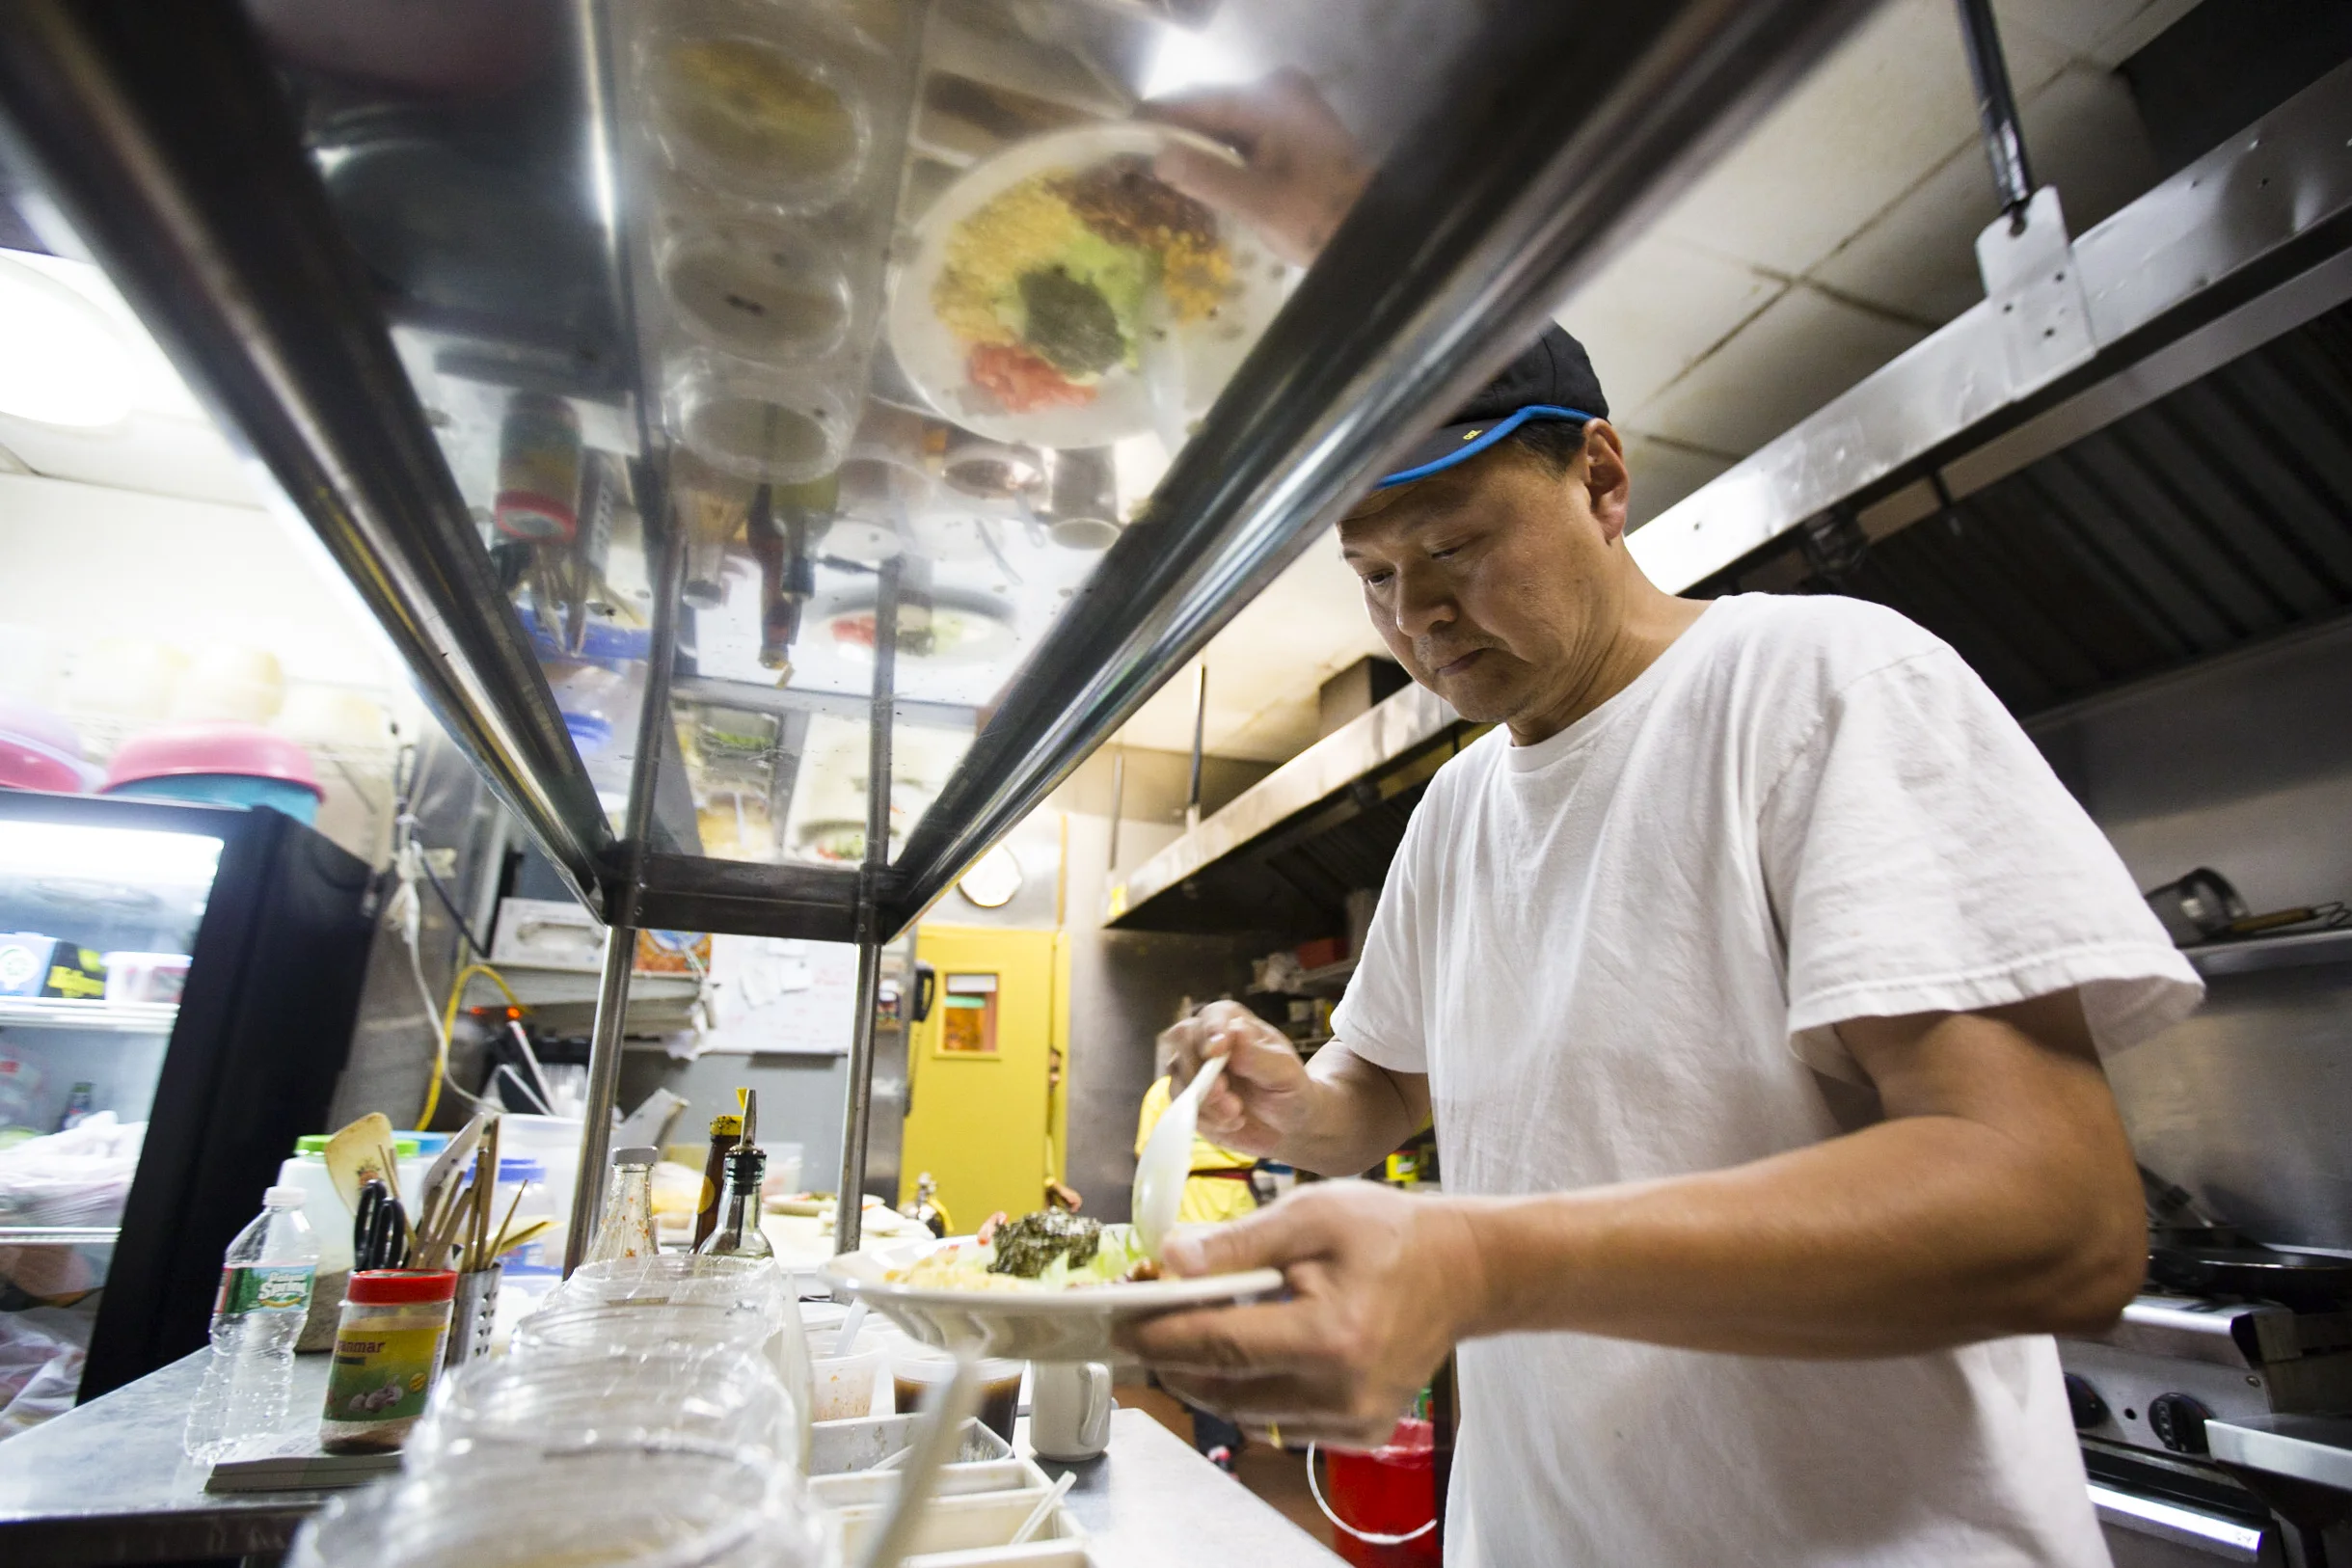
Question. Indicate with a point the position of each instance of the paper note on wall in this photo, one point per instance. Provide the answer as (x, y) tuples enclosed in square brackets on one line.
[(777, 995)]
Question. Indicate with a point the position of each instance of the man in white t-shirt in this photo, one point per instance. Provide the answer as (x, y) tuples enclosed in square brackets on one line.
[(1755, 970)]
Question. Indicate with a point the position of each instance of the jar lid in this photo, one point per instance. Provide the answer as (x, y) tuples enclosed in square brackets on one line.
[(315, 1143), (401, 1286)]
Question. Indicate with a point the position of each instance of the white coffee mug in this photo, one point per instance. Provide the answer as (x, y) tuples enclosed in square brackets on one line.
[(1069, 1409)]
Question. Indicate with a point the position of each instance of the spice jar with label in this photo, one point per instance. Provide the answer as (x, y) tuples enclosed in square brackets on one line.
[(388, 1348)]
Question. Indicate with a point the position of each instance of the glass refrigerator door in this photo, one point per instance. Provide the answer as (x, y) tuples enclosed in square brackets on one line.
[(95, 928)]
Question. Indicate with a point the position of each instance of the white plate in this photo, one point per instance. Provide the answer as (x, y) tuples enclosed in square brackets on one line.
[(1208, 352), (1031, 1325)]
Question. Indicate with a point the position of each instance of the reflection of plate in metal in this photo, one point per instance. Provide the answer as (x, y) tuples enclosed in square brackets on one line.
[(1163, 394), (1031, 1325), (957, 628)]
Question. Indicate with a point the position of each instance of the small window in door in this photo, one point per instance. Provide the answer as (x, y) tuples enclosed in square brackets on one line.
[(967, 1016)]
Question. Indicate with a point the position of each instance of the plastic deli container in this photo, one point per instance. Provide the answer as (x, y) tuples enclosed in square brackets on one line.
[(533, 1405), (387, 1352), (610, 1508), (914, 1369), (146, 977), (756, 421), (764, 290), (754, 101)]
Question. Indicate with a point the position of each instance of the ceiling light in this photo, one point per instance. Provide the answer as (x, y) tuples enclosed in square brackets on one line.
[(63, 361)]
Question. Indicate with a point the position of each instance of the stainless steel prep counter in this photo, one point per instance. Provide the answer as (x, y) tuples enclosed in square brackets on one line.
[(106, 1481), (106, 1484)]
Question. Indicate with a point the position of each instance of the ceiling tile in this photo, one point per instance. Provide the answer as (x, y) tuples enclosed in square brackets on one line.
[(1664, 473), (1918, 257), (1658, 309), (1804, 350), (1892, 103), (2098, 32)]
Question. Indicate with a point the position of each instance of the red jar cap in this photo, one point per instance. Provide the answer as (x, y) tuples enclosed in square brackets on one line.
[(401, 1286)]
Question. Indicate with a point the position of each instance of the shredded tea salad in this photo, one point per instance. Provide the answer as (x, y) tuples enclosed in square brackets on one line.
[(1050, 285), (1044, 1251)]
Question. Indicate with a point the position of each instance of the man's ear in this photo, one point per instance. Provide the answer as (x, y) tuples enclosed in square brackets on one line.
[(1608, 484)]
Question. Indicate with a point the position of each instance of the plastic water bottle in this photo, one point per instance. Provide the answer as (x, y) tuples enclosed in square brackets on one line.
[(265, 1293)]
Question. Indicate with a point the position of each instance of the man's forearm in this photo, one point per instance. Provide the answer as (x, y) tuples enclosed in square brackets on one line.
[(1913, 1235), (1355, 1114)]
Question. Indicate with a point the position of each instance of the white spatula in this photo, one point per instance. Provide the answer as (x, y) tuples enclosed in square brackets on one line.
[(1166, 1163)]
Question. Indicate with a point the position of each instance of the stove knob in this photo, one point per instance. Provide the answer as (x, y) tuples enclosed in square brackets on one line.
[(2179, 1423), (2082, 1399)]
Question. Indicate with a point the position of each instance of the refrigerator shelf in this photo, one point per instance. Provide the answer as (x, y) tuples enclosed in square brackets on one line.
[(105, 1018), (59, 1235)]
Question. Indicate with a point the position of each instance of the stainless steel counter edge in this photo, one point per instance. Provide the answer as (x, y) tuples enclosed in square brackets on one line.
[(106, 1484), (1150, 1502), (2314, 1449)]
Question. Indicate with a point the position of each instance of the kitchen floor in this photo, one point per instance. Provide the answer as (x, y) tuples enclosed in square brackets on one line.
[(1278, 1478)]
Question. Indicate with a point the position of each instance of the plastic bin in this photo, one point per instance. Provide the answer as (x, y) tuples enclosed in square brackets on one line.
[(1391, 1491)]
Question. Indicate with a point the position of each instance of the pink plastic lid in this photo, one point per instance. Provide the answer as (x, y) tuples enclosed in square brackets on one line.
[(175, 750), (38, 751)]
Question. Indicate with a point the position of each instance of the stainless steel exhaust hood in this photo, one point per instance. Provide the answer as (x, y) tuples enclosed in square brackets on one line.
[(2243, 246)]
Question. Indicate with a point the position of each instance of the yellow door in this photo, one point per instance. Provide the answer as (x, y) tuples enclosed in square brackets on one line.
[(978, 1070)]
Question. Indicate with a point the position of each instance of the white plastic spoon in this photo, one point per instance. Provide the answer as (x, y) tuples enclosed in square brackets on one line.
[(1166, 1163)]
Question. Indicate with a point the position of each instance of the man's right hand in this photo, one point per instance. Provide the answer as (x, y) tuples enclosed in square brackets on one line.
[(1264, 1095)]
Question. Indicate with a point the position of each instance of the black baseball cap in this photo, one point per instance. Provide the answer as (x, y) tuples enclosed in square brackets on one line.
[(1552, 379)]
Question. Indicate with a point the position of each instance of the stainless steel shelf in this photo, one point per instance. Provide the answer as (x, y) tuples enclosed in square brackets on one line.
[(2292, 952), (99, 1017), (59, 1235)]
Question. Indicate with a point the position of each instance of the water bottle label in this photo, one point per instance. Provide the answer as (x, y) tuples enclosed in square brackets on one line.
[(284, 1289)]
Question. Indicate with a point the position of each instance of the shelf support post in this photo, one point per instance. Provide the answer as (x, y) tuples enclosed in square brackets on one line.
[(652, 478), (857, 1110)]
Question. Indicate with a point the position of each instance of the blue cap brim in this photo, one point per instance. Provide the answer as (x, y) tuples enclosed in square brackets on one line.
[(1460, 442)]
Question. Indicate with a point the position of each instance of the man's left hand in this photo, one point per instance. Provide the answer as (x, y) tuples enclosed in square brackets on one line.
[(1381, 1285)]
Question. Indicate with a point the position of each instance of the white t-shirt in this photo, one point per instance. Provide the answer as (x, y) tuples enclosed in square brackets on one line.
[(1618, 954)]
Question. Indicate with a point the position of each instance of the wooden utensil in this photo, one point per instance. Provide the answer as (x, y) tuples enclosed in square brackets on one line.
[(360, 1150), (439, 1190)]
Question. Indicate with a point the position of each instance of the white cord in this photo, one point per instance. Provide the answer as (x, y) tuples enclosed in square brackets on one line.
[(1367, 1537)]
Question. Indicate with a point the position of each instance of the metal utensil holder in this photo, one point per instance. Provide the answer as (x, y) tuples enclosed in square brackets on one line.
[(471, 1313)]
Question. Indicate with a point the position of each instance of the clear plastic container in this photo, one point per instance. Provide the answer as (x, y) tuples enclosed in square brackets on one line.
[(753, 287), (146, 977), (846, 1388), (757, 421), (720, 1401), (595, 1509), (915, 1369), (756, 101)]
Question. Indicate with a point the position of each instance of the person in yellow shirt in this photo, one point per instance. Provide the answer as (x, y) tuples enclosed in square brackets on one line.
[(1219, 1186), (1218, 1189)]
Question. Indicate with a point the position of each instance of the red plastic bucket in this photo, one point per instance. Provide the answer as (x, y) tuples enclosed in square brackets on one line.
[(1389, 1492)]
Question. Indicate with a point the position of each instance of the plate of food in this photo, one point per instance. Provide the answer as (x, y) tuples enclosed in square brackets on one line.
[(1047, 1287), (1062, 295)]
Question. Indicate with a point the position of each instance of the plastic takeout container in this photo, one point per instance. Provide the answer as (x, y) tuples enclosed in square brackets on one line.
[(596, 1509)]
